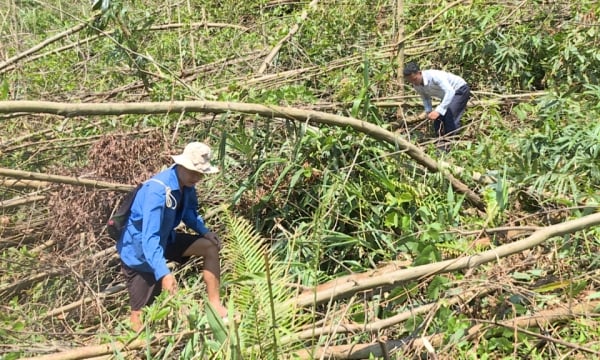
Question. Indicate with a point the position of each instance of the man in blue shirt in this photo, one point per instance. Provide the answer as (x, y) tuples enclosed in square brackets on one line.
[(453, 91), (149, 239)]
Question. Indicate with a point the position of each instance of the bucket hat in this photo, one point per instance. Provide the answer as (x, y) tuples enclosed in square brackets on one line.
[(196, 157)]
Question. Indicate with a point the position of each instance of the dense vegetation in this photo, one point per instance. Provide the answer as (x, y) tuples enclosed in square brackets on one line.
[(303, 204)]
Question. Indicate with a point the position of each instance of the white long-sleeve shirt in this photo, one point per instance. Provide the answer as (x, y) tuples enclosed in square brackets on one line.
[(440, 84)]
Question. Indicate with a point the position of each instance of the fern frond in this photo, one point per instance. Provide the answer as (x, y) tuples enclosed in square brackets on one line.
[(257, 298)]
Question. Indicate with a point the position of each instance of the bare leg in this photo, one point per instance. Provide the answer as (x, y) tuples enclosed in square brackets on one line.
[(136, 320), (212, 271)]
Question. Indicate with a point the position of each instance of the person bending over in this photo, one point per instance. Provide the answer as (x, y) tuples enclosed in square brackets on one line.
[(453, 91), (150, 240)]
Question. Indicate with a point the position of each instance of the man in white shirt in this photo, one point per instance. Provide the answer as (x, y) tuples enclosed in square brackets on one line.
[(453, 91)]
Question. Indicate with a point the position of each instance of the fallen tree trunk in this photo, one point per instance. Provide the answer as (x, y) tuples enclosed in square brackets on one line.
[(346, 286), (20, 183), (17, 174), (272, 111), (93, 351), (540, 319)]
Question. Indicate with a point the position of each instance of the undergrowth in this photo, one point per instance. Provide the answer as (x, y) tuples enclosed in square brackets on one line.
[(305, 204)]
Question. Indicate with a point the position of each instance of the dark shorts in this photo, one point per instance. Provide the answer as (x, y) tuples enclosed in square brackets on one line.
[(142, 286)]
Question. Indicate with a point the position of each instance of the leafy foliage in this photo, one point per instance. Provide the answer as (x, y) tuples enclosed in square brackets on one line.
[(259, 290), (307, 203)]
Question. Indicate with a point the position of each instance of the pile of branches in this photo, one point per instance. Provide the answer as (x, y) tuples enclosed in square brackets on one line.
[(74, 257), (123, 159)]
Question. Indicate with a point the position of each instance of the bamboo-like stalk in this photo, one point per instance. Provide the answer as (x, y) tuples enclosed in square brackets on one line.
[(21, 200), (361, 351), (7, 290), (416, 153), (289, 35), (539, 319), (21, 183), (344, 287), (95, 350), (413, 100), (27, 175), (107, 292), (379, 325), (108, 33), (48, 41), (352, 284)]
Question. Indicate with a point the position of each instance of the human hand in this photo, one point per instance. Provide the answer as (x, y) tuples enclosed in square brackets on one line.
[(434, 115), (169, 284), (214, 238)]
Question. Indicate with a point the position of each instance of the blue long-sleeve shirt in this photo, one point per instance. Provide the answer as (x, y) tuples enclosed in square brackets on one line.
[(440, 84), (154, 216)]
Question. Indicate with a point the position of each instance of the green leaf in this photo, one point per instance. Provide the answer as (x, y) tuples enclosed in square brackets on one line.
[(391, 219), (427, 255), (355, 107), (552, 286), (161, 314), (437, 286), (577, 287), (521, 276), (18, 326), (4, 90), (594, 296), (216, 324)]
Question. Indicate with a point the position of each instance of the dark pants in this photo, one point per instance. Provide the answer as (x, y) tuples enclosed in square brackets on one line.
[(142, 286), (450, 123)]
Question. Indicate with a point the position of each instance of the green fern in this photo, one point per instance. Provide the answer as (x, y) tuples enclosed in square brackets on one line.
[(258, 289)]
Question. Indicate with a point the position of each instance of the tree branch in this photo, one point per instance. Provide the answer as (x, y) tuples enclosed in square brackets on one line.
[(47, 42), (21, 200), (270, 111), (18, 174), (364, 351), (291, 33), (348, 285)]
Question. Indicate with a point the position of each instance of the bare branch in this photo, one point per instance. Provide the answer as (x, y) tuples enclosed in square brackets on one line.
[(47, 42), (346, 286), (17, 174), (20, 183), (291, 33), (21, 200), (270, 111), (107, 292)]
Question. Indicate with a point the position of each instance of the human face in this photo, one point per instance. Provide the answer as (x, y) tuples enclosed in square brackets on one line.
[(188, 178), (415, 78)]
